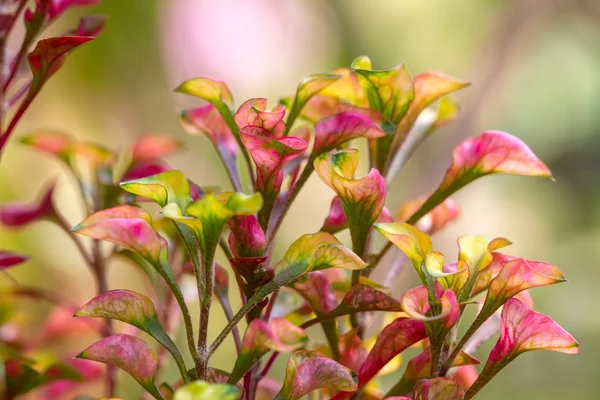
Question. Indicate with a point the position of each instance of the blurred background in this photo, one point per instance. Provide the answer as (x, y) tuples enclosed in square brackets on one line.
[(535, 69)]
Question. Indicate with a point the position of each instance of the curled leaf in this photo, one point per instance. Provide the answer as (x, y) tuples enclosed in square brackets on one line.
[(215, 92), (309, 87), (253, 113), (414, 243), (362, 199), (336, 130), (167, 187), (128, 353), (389, 92), (280, 335), (428, 87), (270, 154), (309, 370)]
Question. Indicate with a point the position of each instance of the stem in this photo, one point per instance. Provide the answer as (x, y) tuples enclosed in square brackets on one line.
[(330, 329), (226, 305), (269, 310), (17, 96), (269, 364), (463, 341), (99, 268), (206, 302), (308, 169)]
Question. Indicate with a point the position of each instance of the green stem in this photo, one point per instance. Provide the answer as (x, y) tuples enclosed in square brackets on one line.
[(481, 318), (330, 329), (205, 304), (485, 377)]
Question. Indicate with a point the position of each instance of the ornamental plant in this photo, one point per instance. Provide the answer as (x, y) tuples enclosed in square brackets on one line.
[(320, 283)]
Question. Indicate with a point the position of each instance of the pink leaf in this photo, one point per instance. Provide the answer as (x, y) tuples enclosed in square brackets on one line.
[(438, 389), (253, 113), (316, 289), (21, 214), (309, 370), (128, 353), (362, 199), (433, 221), (352, 350), (362, 298), (336, 220), (525, 330), (334, 131), (128, 227), (57, 7), (90, 25), (154, 146), (393, 340), (518, 275), (9, 259), (280, 335)]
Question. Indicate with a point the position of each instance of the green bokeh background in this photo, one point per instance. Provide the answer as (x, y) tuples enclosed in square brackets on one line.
[(535, 68)]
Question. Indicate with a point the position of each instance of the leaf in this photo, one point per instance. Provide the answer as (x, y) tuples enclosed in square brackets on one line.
[(414, 243), (167, 187), (128, 353), (362, 199), (56, 144), (208, 121), (438, 389), (336, 220), (19, 214), (280, 335), (485, 276), (352, 350), (128, 227), (428, 87), (9, 259), (518, 275), (209, 215), (89, 25), (316, 289), (311, 252), (477, 253), (150, 147), (47, 58), (525, 330), (201, 390), (307, 371), (134, 309), (389, 92), (270, 155), (391, 341), (338, 129), (215, 92), (253, 113), (309, 87), (361, 298), (492, 152), (433, 221), (419, 368)]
